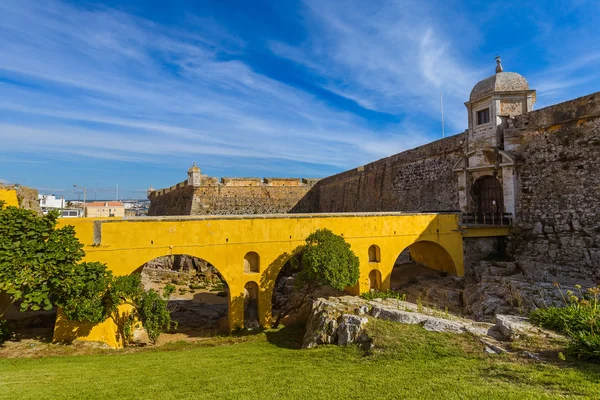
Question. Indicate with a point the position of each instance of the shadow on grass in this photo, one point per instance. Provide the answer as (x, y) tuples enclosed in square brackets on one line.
[(287, 337)]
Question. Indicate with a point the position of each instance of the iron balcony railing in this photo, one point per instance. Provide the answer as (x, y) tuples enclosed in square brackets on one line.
[(497, 219)]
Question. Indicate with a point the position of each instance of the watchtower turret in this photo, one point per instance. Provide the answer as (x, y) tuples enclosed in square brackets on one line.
[(194, 176)]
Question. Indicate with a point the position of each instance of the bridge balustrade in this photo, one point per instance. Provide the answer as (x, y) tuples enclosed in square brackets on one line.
[(495, 219)]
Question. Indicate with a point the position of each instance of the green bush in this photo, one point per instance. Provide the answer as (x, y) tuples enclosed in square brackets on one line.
[(325, 260), (154, 315), (41, 266), (579, 318), (388, 294), (197, 286)]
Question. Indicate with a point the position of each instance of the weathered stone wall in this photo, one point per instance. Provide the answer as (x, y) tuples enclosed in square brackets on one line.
[(174, 202), (557, 234), (27, 198), (232, 196), (246, 199), (420, 179)]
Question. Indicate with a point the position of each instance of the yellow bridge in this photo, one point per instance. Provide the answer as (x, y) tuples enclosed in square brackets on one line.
[(249, 251)]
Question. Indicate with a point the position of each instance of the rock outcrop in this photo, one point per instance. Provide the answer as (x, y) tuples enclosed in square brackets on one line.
[(341, 321)]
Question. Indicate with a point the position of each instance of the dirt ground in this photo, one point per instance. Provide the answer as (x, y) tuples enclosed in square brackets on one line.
[(403, 274)]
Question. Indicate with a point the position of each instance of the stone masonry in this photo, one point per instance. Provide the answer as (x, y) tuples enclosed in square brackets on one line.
[(201, 195), (417, 180)]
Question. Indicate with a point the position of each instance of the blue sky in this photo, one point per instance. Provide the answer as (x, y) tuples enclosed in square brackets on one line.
[(132, 92)]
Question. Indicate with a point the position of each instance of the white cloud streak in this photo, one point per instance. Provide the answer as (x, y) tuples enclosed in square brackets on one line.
[(100, 83), (391, 57)]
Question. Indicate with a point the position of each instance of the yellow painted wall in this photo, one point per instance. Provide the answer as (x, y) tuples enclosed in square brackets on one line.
[(125, 245), (9, 197)]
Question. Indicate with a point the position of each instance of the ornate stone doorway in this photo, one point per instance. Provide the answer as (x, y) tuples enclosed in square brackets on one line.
[(488, 195)]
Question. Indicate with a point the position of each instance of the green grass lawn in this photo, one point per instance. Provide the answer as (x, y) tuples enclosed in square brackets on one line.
[(408, 362)]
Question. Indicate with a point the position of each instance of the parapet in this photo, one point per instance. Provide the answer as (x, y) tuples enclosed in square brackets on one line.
[(282, 182), (237, 182), (241, 181)]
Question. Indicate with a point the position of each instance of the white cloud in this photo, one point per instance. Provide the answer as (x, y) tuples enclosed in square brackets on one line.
[(109, 85), (392, 57)]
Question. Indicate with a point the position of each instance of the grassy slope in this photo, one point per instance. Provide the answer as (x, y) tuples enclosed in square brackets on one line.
[(409, 363)]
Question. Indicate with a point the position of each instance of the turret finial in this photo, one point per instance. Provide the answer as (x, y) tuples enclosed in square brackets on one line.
[(498, 64)]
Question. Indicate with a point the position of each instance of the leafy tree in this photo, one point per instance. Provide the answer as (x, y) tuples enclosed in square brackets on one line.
[(34, 256), (325, 260), (41, 266), (149, 308)]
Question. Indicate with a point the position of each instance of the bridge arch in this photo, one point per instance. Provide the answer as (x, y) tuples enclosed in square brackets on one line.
[(432, 255), (421, 259), (200, 301)]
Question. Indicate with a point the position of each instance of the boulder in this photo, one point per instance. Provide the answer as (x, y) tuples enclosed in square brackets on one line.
[(350, 328), (514, 327)]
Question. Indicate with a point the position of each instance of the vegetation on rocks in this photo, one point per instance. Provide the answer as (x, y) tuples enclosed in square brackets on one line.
[(579, 318), (41, 267), (386, 294), (325, 260)]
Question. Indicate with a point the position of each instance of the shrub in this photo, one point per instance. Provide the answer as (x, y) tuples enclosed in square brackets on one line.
[(149, 308), (579, 318), (388, 294), (153, 313), (41, 266), (197, 286), (325, 260)]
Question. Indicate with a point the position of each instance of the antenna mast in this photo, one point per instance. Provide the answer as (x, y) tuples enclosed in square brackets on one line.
[(442, 108)]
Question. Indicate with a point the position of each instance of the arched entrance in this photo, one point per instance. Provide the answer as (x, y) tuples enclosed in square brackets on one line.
[(420, 260), (422, 272), (374, 280), (251, 305), (488, 196), (285, 291), (200, 295)]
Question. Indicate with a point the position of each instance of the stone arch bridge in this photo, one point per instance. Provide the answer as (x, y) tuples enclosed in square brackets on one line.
[(232, 243)]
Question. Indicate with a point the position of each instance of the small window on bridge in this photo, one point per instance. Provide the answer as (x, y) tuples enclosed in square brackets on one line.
[(251, 262), (374, 253)]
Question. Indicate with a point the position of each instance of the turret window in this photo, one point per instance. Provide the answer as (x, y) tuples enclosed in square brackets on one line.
[(483, 116)]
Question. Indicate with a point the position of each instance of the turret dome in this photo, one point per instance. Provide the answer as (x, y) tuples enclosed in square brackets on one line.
[(194, 168), (499, 82)]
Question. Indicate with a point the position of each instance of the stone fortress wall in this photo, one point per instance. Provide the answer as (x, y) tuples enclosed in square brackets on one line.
[(556, 233), (541, 168), (210, 195), (417, 180), (557, 230)]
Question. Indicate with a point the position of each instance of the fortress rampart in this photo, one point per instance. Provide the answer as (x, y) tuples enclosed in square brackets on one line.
[(556, 153), (417, 180), (229, 196)]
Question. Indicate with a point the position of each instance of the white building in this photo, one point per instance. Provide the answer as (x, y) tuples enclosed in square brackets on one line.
[(51, 202)]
